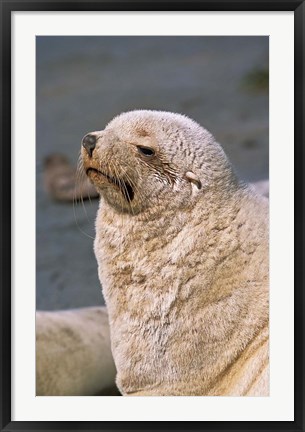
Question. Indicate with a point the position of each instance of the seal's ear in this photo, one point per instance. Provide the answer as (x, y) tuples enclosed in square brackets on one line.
[(191, 177)]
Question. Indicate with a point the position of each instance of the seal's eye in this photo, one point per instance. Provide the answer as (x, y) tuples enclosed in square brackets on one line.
[(146, 151)]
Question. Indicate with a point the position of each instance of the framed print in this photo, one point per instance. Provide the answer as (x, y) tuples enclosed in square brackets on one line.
[(177, 239)]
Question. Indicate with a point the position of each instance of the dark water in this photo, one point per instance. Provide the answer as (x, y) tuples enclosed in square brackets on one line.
[(83, 82)]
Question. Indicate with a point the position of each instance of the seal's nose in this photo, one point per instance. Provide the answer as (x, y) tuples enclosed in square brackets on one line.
[(89, 142)]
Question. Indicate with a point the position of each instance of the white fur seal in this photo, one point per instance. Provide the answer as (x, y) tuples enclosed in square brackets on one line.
[(182, 251)]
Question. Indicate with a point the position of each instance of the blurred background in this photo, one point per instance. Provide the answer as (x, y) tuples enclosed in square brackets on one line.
[(83, 82)]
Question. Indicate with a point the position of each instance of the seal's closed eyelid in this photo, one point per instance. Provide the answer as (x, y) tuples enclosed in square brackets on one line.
[(146, 151)]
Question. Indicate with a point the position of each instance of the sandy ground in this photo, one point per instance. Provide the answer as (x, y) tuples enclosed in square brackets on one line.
[(83, 82)]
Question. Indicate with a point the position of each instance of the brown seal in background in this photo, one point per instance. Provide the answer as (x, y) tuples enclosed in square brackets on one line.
[(62, 182)]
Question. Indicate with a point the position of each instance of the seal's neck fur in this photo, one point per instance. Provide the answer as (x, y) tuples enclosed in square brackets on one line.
[(184, 288)]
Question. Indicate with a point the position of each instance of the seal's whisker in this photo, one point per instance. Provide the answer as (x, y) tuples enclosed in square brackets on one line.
[(82, 201), (120, 185), (132, 184), (77, 183), (112, 168), (80, 182), (77, 196), (76, 221), (78, 226), (78, 177), (139, 194), (142, 197)]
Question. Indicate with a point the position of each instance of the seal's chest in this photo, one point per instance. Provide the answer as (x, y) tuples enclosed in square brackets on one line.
[(129, 249)]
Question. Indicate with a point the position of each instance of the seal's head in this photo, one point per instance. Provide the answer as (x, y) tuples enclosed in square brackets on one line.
[(142, 155)]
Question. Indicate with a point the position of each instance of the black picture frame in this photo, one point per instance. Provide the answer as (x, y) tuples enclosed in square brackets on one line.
[(7, 7)]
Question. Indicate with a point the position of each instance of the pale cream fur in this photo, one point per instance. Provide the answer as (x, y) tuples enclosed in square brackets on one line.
[(73, 354), (183, 264)]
